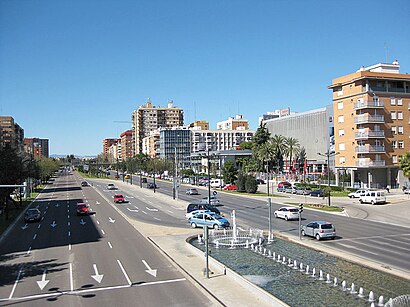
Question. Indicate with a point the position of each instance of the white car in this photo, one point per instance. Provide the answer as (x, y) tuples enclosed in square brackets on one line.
[(287, 213), (357, 194), (192, 213), (373, 197), (110, 186)]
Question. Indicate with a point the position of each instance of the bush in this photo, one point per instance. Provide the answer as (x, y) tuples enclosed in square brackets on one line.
[(251, 186), (240, 183)]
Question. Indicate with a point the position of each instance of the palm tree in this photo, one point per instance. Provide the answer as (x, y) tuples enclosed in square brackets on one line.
[(278, 147), (292, 148)]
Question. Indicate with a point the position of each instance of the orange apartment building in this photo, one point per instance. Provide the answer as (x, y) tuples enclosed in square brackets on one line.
[(106, 146), (126, 145), (372, 124)]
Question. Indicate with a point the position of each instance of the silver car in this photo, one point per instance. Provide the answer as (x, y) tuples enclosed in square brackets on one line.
[(319, 230)]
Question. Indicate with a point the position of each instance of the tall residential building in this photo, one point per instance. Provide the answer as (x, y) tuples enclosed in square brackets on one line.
[(148, 118), (217, 140), (126, 145), (11, 134), (199, 125), (175, 143), (233, 123), (274, 114), (107, 143), (372, 123), (36, 147)]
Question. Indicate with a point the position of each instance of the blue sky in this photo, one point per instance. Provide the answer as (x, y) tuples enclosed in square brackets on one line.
[(69, 69)]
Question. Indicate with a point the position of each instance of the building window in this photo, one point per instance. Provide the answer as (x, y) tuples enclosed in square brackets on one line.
[(341, 132), (393, 130), (340, 92), (394, 158), (399, 115), (393, 115), (340, 105), (394, 144), (400, 129), (401, 144), (342, 160), (399, 101), (342, 146), (341, 119), (392, 101)]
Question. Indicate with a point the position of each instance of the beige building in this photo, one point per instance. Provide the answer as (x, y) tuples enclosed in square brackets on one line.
[(148, 118), (199, 125), (126, 145), (107, 143), (150, 144), (372, 124), (233, 123), (11, 134)]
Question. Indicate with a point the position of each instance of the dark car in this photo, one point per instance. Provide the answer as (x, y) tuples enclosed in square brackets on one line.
[(32, 215), (151, 185), (316, 193), (194, 207), (84, 184), (82, 209)]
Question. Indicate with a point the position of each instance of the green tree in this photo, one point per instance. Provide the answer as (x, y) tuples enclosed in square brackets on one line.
[(262, 135), (187, 172), (279, 149), (240, 183), (301, 158), (251, 186), (292, 148), (246, 145), (405, 164), (229, 172)]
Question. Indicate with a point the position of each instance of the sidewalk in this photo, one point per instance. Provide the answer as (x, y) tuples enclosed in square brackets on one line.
[(224, 287)]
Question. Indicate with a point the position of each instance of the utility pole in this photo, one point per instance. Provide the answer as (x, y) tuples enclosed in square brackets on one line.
[(270, 218), (328, 154)]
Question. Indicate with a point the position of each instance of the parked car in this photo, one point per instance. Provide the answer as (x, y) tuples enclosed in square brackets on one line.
[(84, 184), (287, 213), (214, 201), (117, 176), (284, 183), (406, 191), (192, 213), (151, 185), (192, 191), (281, 189), (208, 219), (110, 186), (303, 191), (373, 197), (82, 209), (357, 194), (319, 230), (316, 193), (32, 215), (230, 187), (119, 198), (127, 177), (290, 189), (217, 183), (194, 207)]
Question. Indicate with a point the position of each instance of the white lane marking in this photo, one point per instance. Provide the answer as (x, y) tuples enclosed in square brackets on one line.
[(132, 210), (42, 218), (68, 223), (68, 210), (98, 222), (35, 236), (68, 206), (71, 277), (149, 209), (136, 207), (68, 216), (157, 218), (109, 244), (69, 233), (39, 225), (170, 211), (15, 283), (359, 249), (125, 273), (392, 245), (29, 250), (144, 212), (45, 212), (102, 231), (69, 247)]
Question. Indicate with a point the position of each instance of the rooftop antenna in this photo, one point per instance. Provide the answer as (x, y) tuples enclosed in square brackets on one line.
[(386, 51)]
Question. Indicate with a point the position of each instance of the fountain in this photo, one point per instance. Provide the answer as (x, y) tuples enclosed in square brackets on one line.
[(234, 238), (371, 296), (301, 267), (361, 292), (314, 272), (344, 285), (321, 275), (278, 259), (352, 289), (335, 282), (328, 281), (284, 260), (295, 265), (290, 262), (307, 269), (381, 301), (199, 239)]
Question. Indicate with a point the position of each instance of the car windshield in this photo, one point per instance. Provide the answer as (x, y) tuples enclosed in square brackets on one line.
[(293, 210), (82, 206), (327, 226), (32, 211)]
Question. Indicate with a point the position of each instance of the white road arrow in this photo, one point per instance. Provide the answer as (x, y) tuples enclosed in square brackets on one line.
[(54, 224), (97, 203), (149, 209), (97, 276), (149, 271), (111, 220), (82, 222), (24, 227), (43, 281), (132, 210)]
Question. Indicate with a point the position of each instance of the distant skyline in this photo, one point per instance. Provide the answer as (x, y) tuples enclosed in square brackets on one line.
[(70, 70)]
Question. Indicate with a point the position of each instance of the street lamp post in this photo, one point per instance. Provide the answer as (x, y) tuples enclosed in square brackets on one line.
[(328, 154)]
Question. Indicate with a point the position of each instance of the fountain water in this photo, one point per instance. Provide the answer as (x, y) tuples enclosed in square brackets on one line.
[(270, 254), (199, 239), (290, 262), (307, 269), (361, 292), (371, 296), (335, 282), (217, 244), (314, 272), (381, 301), (295, 265), (353, 289), (284, 260), (328, 281), (321, 275), (301, 267), (278, 259), (344, 285)]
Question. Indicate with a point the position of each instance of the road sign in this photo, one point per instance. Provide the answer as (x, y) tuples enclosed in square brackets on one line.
[(214, 193)]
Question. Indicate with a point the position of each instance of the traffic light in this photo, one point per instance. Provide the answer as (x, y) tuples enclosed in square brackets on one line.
[(300, 208)]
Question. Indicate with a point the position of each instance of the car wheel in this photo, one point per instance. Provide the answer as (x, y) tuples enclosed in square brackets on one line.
[(372, 202), (216, 227), (286, 217), (276, 216), (318, 237), (303, 233), (360, 201), (193, 225)]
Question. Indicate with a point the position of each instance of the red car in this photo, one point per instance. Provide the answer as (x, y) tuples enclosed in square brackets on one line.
[(116, 176), (230, 187), (118, 198), (82, 209)]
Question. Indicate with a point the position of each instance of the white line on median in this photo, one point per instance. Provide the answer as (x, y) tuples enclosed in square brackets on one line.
[(15, 283), (69, 233), (69, 247), (98, 222), (35, 236), (125, 273), (144, 212), (157, 218), (39, 225), (109, 244), (29, 250), (102, 231), (71, 277)]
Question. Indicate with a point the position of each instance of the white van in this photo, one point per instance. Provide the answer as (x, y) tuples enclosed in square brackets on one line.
[(217, 183), (373, 197)]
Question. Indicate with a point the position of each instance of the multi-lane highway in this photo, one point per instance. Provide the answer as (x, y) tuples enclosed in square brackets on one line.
[(95, 260), (384, 243)]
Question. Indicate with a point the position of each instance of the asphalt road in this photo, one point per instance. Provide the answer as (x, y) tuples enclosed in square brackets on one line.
[(94, 260), (384, 243)]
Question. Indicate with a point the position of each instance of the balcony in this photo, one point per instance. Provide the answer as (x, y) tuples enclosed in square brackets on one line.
[(370, 149), (369, 119), (369, 135), (370, 163), (369, 105)]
